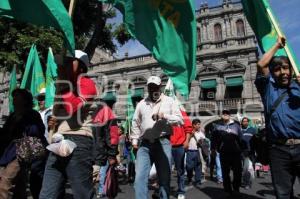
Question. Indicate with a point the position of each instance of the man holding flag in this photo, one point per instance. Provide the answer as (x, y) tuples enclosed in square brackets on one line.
[(280, 95)]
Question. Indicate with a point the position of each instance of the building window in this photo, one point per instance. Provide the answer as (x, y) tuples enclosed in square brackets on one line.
[(240, 29), (139, 80), (208, 94), (218, 32), (234, 87)]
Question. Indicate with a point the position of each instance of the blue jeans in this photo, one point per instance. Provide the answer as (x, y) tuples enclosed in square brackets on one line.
[(285, 166), (160, 154), (178, 157), (102, 173), (77, 168), (193, 163), (219, 168)]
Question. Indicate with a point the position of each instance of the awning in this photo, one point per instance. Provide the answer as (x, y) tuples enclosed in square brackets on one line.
[(234, 81), (138, 92), (109, 96), (210, 83)]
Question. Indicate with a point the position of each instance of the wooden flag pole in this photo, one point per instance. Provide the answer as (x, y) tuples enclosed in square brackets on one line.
[(280, 34), (63, 53), (71, 7)]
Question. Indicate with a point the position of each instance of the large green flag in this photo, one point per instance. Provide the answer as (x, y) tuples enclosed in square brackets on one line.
[(33, 78), (256, 13), (12, 87), (167, 28), (129, 113), (41, 12), (51, 75)]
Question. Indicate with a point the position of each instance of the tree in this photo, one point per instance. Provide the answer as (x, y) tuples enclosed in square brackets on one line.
[(90, 28)]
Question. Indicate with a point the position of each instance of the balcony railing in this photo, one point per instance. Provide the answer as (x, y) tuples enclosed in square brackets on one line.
[(221, 104)]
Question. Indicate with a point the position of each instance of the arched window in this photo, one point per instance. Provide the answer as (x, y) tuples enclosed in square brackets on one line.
[(240, 29), (218, 32)]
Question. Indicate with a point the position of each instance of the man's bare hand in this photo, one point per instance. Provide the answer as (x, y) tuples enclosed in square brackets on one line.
[(298, 79), (281, 41), (112, 161), (52, 122), (158, 116)]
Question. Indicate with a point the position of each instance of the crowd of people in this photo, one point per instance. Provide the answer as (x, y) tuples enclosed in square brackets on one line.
[(162, 136)]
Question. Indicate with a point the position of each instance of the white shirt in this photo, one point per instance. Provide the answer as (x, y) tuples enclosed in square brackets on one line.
[(142, 118), (193, 143)]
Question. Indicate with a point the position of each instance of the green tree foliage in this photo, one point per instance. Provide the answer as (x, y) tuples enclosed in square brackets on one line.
[(90, 28)]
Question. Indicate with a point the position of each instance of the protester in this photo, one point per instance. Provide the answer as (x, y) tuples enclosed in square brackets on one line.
[(193, 161), (180, 141), (226, 139), (24, 121), (151, 126), (77, 167), (280, 94), (248, 152), (44, 112), (105, 130)]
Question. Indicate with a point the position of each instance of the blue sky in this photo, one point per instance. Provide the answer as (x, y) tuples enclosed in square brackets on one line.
[(286, 12)]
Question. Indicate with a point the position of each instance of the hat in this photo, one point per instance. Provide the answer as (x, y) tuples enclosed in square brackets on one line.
[(225, 112), (154, 80), (42, 91), (83, 57)]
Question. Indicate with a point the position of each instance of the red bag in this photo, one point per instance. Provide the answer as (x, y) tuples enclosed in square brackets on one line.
[(111, 185)]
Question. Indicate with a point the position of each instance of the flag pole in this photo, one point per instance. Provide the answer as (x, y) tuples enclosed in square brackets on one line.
[(63, 53), (280, 34), (71, 7)]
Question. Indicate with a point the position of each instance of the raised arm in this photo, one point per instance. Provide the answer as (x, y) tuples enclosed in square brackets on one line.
[(263, 63)]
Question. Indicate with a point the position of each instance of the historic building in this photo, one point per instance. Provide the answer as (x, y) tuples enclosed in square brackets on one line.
[(227, 54)]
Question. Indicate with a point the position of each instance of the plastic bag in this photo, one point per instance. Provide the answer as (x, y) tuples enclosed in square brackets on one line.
[(61, 146), (248, 171), (153, 172)]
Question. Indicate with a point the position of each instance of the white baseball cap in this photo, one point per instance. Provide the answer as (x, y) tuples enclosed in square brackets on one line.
[(82, 56), (42, 91), (154, 80)]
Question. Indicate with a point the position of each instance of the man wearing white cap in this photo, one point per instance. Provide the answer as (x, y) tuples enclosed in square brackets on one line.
[(151, 129)]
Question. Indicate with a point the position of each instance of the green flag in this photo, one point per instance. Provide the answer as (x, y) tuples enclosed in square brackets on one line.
[(41, 12), (12, 87), (33, 78), (129, 113), (51, 75), (167, 28), (258, 18)]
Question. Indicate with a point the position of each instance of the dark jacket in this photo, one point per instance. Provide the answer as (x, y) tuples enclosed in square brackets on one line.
[(106, 136), (226, 138), (16, 125)]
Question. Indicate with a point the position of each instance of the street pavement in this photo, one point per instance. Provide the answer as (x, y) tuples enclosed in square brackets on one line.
[(261, 189)]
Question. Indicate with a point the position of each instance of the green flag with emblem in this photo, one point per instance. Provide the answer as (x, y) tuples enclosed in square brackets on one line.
[(33, 78), (50, 13), (51, 75), (261, 23), (167, 28)]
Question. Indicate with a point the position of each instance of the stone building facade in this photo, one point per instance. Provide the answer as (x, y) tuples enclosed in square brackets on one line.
[(227, 55)]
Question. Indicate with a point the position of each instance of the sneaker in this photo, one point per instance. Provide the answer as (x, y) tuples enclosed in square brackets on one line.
[(180, 196), (100, 195)]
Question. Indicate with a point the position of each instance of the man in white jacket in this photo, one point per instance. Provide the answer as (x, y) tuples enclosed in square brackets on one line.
[(151, 130)]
